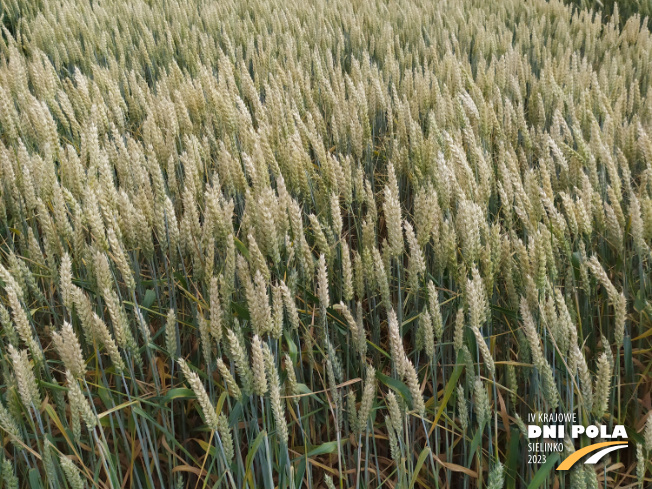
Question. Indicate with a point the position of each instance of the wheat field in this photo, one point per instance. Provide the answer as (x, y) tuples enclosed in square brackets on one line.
[(286, 244)]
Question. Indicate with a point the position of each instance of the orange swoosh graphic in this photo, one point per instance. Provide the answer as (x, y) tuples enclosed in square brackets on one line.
[(571, 459)]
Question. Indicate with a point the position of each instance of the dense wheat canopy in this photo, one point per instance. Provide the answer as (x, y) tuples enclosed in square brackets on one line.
[(261, 244)]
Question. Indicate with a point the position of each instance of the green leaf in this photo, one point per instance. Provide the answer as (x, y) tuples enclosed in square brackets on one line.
[(206, 447), (511, 465), (52, 386), (34, 479), (328, 447), (644, 335), (292, 347), (475, 443), (417, 468), (220, 402), (507, 312), (150, 297), (629, 360), (379, 349), (542, 474), (181, 279), (301, 471), (241, 248), (576, 261), (397, 385), (105, 395), (178, 393), (252, 451), (235, 414), (640, 303), (448, 392), (240, 311), (408, 321), (304, 389)]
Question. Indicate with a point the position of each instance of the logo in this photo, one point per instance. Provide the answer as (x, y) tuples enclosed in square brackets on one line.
[(555, 427), (602, 451)]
